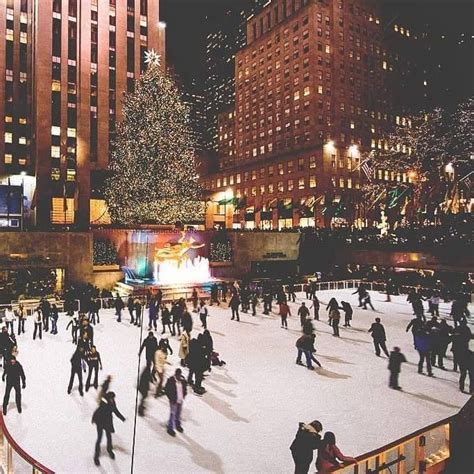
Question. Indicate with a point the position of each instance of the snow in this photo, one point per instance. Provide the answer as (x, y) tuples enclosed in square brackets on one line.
[(249, 415)]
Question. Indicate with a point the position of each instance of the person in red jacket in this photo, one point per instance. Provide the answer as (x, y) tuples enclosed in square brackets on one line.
[(329, 454), (284, 313)]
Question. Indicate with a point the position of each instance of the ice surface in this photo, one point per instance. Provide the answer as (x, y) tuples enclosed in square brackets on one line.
[(249, 415)]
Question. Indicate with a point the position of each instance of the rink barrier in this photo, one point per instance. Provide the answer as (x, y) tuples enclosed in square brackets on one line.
[(444, 446), (13, 458)]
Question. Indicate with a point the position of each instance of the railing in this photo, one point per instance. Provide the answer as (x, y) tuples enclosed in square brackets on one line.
[(444, 446), (13, 459), (30, 305), (425, 450)]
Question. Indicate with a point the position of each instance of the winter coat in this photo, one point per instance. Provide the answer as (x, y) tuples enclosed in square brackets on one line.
[(306, 441), (328, 458), (305, 343), (378, 332), (335, 315), (187, 322), (395, 361), (183, 345), (161, 358), (150, 344), (14, 373), (234, 302), (171, 391), (423, 342), (103, 418)]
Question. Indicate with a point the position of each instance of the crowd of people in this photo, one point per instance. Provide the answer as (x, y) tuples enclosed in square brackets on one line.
[(431, 338)]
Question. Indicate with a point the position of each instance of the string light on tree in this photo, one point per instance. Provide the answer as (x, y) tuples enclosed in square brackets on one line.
[(154, 177)]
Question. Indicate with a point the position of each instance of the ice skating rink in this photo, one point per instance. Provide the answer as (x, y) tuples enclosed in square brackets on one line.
[(249, 415)]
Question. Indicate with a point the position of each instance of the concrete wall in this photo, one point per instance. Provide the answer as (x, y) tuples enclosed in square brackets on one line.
[(106, 279), (71, 250)]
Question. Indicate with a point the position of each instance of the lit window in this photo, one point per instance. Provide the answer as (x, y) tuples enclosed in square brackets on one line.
[(352, 124), (56, 131), (301, 183), (71, 132), (8, 159), (312, 181), (306, 91), (320, 89), (8, 119), (22, 140), (8, 137)]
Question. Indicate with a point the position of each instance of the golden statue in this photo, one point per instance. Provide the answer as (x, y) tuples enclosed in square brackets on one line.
[(176, 251)]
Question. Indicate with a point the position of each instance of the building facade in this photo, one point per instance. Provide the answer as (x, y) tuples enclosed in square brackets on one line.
[(65, 65), (226, 34), (317, 83)]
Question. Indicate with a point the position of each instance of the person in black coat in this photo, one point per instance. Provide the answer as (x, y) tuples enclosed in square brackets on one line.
[(6, 345), (14, 373), (195, 361), (347, 308), (131, 307), (186, 322), (175, 390), (76, 369), (150, 344), (394, 366), (87, 330), (307, 439), (416, 325), (54, 319), (95, 363), (378, 335), (118, 304), (466, 367), (103, 419), (234, 304)]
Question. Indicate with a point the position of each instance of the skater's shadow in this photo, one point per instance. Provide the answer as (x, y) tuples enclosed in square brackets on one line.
[(350, 339), (224, 378), (248, 322), (336, 360), (201, 456), (218, 333), (330, 374), (228, 393), (427, 398), (222, 407)]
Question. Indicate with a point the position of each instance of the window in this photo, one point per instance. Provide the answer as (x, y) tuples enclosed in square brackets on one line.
[(290, 185), (301, 183), (300, 164), (280, 169), (312, 181), (312, 162), (280, 187)]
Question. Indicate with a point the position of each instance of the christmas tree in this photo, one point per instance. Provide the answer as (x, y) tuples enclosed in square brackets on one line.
[(153, 170)]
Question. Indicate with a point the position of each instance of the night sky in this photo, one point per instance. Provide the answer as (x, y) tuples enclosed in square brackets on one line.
[(186, 28)]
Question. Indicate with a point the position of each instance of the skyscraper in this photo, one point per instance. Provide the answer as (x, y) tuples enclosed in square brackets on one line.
[(66, 64), (317, 83), (226, 34)]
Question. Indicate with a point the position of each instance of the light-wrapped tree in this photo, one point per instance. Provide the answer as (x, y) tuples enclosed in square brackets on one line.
[(153, 170)]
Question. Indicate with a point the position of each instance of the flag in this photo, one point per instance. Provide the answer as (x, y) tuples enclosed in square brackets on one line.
[(242, 202), (225, 201), (285, 204), (272, 204), (467, 181), (368, 169)]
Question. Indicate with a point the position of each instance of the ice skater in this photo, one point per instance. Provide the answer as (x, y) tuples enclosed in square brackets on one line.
[(118, 304), (329, 455), (15, 375), (103, 419), (74, 324), (159, 369), (335, 318), (203, 314), (144, 387), (466, 367), (423, 344), (307, 440), (284, 313), (150, 344), (347, 308), (379, 337), (303, 313), (305, 345), (38, 323), (315, 306), (76, 369), (21, 315), (54, 319), (234, 304), (165, 320), (362, 292), (394, 366), (95, 364), (175, 390), (183, 352), (9, 319)]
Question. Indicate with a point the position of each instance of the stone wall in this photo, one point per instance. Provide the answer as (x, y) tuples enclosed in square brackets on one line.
[(69, 250)]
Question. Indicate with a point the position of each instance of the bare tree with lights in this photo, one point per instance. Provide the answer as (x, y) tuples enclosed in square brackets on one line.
[(422, 146), (153, 170)]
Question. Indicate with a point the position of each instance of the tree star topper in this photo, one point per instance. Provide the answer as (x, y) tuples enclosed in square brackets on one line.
[(152, 58)]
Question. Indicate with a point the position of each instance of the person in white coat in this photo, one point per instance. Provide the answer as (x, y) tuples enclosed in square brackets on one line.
[(184, 347), (38, 321), (161, 359), (9, 319)]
